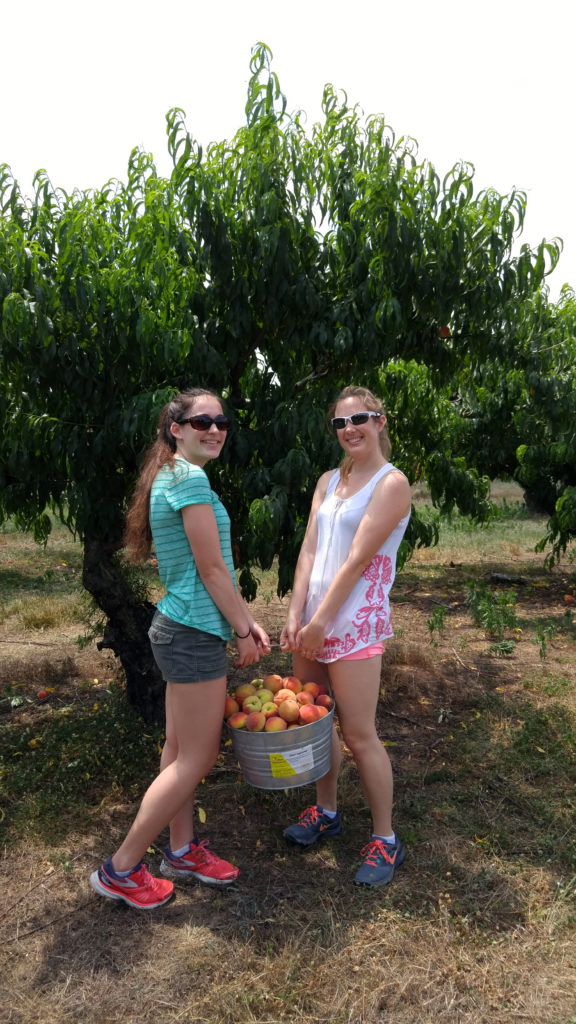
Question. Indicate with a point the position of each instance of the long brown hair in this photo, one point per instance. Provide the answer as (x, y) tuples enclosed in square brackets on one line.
[(138, 534), (373, 404)]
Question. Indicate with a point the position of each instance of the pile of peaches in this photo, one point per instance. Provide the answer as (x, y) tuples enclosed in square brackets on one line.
[(275, 703)]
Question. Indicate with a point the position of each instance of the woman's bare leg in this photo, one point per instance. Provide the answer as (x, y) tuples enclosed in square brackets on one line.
[(326, 787), (356, 686), (196, 721)]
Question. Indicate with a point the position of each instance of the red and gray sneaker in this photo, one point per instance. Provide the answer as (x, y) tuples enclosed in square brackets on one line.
[(380, 862), (138, 889), (313, 824), (199, 862)]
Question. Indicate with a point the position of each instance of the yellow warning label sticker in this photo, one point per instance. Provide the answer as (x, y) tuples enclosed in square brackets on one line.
[(279, 766), (292, 762)]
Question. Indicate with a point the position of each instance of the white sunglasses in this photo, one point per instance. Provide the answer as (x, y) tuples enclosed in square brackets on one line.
[(357, 419)]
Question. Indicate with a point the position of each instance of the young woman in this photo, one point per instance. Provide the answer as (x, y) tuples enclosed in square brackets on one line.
[(174, 507), (339, 617)]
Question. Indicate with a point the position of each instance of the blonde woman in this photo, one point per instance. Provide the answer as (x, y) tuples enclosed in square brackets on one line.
[(339, 617)]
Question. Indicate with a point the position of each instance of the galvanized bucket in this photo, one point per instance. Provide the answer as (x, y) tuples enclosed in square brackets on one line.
[(285, 760)]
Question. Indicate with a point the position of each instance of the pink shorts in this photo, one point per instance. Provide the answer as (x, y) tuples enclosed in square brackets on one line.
[(367, 652)]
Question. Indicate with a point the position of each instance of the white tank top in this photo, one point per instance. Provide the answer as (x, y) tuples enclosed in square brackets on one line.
[(364, 617)]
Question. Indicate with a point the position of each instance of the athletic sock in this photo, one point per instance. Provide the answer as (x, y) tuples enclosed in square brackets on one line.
[(391, 840), (118, 874), (328, 814), (181, 852)]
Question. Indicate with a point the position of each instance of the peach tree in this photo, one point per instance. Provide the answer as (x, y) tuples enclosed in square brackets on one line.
[(274, 267)]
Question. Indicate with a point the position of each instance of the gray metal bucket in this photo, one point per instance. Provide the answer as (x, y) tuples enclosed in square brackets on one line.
[(285, 760)]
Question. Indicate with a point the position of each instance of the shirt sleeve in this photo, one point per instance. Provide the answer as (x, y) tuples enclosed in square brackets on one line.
[(189, 487)]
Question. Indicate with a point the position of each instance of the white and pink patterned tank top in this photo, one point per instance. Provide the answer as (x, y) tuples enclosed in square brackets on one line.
[(364, 617)]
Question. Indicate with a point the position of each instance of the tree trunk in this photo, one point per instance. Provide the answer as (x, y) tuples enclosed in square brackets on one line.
[(126, 631)]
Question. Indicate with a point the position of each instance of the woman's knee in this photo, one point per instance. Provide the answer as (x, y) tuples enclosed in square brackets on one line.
[(360, 740)]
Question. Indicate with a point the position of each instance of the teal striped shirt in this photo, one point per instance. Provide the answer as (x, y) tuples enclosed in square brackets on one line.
[(186, 599)]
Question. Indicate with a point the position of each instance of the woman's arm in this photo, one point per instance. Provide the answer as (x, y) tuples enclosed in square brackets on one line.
[(389, 503), (202, 533), (304, 567)]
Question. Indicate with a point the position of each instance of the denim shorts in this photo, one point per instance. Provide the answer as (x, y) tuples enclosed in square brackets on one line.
[(184, 654)]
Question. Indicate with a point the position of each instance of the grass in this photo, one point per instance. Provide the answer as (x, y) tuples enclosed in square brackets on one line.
[(478, 926)]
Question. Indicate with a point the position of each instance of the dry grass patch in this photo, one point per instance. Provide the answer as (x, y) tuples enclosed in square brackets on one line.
[(479, 926), (42, 613)]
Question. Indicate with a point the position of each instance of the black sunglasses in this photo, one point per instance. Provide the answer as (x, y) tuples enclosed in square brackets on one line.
[(204, 422), (357, 419)]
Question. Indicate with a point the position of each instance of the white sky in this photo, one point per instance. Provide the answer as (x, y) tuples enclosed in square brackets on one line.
[(82, 83)]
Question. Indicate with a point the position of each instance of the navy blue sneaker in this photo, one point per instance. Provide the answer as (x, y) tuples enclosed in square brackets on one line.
[(380, 862), (313, 824)]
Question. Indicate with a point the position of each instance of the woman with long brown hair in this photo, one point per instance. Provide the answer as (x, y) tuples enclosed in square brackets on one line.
[(175, 509), (339, 617)]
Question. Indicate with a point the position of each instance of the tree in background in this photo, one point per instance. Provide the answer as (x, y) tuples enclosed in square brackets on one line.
[(274, 268)]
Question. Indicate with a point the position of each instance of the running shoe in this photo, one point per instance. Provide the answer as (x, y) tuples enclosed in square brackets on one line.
[(380, 862), (313, 824), (138, 889), (199, 862)]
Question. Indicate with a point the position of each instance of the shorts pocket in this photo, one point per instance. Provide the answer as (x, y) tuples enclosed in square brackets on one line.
[(158, 635)]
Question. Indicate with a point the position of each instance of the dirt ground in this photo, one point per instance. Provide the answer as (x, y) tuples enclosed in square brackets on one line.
[(467, 934)]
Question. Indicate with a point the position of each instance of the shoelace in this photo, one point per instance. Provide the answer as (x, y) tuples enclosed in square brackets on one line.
[(205, 855), (374, 849), (310, 816), (143, 877)]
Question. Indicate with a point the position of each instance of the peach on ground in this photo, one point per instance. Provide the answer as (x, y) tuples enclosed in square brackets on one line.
[(289, 710), (238, 720), (275, 724), (255, 721)]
